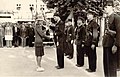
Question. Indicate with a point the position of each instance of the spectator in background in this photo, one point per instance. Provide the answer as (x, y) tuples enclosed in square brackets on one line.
[(16, 35), (31, 34), (1, 35), (4, 41), (23, 34), (27, 28), (8, 35)]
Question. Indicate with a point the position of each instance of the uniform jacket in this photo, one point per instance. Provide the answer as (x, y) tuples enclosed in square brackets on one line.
[(89, 38), (69, 33), (60, 36), (59, 31), (117, 24), (114, 25), (80, 35)]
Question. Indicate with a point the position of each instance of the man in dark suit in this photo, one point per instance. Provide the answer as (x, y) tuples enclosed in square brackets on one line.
[(91, 40), (112, 30), (31, 34), (60, 41), (16, 35)]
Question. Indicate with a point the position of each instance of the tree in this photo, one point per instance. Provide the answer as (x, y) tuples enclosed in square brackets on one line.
[(64, 6)]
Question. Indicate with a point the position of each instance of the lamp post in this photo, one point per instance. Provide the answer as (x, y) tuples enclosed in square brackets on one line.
[(18, 10), (36, 11)]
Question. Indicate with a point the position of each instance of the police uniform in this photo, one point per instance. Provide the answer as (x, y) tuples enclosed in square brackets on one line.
[(88, 43), (109, 58), (69, 38), (59, 33), (91, 43), (80, 36)]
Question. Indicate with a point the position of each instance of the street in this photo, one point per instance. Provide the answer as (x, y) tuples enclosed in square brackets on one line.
[(20, 62)]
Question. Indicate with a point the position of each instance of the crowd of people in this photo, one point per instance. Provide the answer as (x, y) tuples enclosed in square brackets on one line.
[(15, 34), (86, 38)]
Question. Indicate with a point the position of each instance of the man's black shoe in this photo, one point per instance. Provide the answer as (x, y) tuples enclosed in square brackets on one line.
[(58, 67), (89, 70), (79, 65)]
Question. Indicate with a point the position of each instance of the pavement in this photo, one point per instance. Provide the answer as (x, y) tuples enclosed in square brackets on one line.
[(21, 62)]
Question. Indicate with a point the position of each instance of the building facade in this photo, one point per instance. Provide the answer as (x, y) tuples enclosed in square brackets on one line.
[(24, 10)]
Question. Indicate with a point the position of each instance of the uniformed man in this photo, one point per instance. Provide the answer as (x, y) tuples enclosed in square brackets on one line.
[(112, 30), (91, 40), (116, 9), (80, 36), (60, 41), (69, 38)]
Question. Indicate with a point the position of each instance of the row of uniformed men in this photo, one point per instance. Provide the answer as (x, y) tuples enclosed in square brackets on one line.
[(87, 37)]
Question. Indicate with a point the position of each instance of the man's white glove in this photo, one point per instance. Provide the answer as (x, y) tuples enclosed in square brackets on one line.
[(72, 41), (57, 43), (114, 49), (82, 45), (93, 46)]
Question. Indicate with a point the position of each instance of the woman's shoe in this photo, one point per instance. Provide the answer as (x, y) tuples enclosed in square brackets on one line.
[(40, 69)]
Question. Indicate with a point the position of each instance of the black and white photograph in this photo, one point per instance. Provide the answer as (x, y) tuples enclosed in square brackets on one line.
[(59, 38)]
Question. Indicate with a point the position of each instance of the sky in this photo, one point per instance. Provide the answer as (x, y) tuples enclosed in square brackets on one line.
[(7, 4)]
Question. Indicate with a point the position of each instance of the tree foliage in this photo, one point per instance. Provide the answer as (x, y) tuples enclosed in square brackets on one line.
[(64, 7)]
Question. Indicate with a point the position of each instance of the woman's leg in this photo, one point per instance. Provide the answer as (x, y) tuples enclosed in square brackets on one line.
[(7, 43), (21, 41), (10, 43), (39, 58), (24, 42), (39, 68)]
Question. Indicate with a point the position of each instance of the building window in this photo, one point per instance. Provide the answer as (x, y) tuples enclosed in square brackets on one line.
[(18, 6), (31, 5)]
